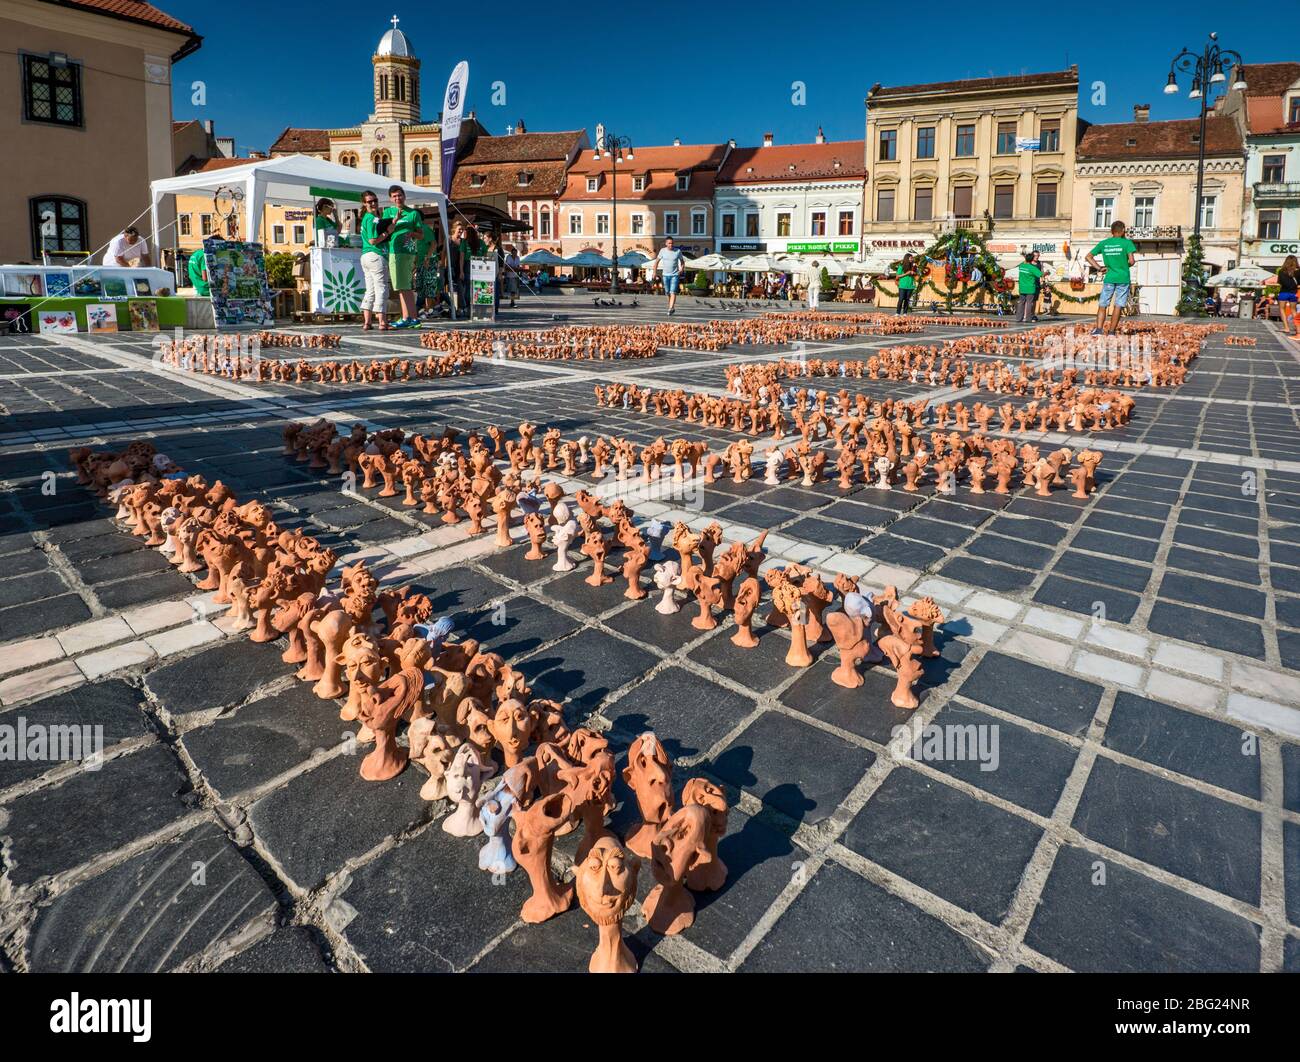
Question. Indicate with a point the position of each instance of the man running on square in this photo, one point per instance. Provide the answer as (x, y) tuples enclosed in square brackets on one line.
[(1117, 253), (670, 268)]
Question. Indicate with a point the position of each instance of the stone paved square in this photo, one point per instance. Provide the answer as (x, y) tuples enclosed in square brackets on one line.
[(1115, 692)]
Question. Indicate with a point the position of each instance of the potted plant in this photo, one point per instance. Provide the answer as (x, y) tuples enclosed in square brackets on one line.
[(700, 284)]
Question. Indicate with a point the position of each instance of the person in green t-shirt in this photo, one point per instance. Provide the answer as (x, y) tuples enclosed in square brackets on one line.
[(1117, 253), (401, 256), (198, 275), (906, 273), (1027, 289), (374, 264), (326, 221)]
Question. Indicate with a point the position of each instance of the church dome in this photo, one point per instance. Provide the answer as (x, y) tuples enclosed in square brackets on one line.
[(395, 42)]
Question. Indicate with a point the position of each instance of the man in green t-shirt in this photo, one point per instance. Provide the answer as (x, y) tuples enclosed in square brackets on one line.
[(1027, 289), (1117, 253), (198, 275), (401, 256)]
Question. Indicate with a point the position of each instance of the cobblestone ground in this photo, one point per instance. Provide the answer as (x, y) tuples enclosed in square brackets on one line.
[(1141, 811)]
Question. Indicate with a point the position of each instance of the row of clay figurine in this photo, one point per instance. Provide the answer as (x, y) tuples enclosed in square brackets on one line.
[(460, 704), (250, 366)]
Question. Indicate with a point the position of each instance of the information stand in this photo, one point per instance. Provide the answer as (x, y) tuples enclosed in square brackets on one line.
[(482, 288)]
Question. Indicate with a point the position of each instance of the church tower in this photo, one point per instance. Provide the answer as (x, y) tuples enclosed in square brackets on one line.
[(397, 78)]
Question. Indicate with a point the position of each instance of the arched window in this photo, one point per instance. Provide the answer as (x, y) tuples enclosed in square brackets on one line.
[(383, 86), (421, 167), (525, 216), (348, 158), (58, 224), (544, 223), (380, 162), (401, 87)]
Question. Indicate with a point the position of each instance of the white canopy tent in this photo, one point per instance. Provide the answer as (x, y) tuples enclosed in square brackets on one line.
[(1242, 277), (297, 180)]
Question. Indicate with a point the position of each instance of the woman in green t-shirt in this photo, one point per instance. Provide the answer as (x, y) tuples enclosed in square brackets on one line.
[(326, 221), (906, 273), (374, 264)]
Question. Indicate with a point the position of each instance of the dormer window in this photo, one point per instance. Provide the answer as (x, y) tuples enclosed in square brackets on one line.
[(1293, 110), (638, 184), (477, 180), (525, 178), (1132, 141), (593, 183), (683, 181), (1196, 138)]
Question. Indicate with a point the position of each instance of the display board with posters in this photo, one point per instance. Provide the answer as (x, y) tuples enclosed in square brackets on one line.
[(482, 288), (241, 295)]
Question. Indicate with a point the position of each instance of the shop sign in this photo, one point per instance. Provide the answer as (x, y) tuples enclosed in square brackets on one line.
[(839, 247), (1282, 248), (746, 246), (297, 215), (896, 245), (1028, 143)]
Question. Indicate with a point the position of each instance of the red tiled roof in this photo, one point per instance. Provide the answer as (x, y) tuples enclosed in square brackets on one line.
[(1160, 140), (1269, 79), (522, 147), (178, 126), (977, 84), (293, 141), (677, 158), (794, 162), (131, 10), (503, 179)]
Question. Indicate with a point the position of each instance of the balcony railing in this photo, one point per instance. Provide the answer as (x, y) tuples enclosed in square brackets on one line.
[(1273, 190), (950, 223)]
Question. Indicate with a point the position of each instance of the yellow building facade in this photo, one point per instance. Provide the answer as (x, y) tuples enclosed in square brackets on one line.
[(982, 154)]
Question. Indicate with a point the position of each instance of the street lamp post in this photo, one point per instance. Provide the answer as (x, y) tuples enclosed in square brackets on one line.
[(616, 149), (1206, 70)]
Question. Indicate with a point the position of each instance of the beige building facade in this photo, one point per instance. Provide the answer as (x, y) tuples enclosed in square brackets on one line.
[(1144, 174), (85, 81), (983, 154)]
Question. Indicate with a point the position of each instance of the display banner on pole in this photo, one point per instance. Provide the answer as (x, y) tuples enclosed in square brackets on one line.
[(453, 105)]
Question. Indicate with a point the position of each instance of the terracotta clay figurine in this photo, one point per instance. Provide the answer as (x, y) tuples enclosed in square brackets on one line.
[(464, 778), (606, 884), (333, 630), (536, 527), (494, 814), (649, 774), (746, 602), (634, 560), (667, 576), (709, 876), (381, 711), (512, 727), (851, 630), (680, 848), (535, 827)]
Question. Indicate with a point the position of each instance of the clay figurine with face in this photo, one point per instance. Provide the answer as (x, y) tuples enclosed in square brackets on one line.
[(512, 726), (464, 779), (494, 814), (606, 884), (649, 774), (711, 875), (667, 575), (680, 848)]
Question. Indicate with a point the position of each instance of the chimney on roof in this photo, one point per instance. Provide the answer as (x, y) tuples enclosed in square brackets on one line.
[(677, 141), (520, 127), (821, 137), (208, 126), (732, 142), (767, 139), (1141, 112)]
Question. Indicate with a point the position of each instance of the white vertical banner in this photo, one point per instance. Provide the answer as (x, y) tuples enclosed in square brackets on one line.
[(453, 106)]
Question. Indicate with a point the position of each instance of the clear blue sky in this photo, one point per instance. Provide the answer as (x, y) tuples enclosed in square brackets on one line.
[(702, 72)]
